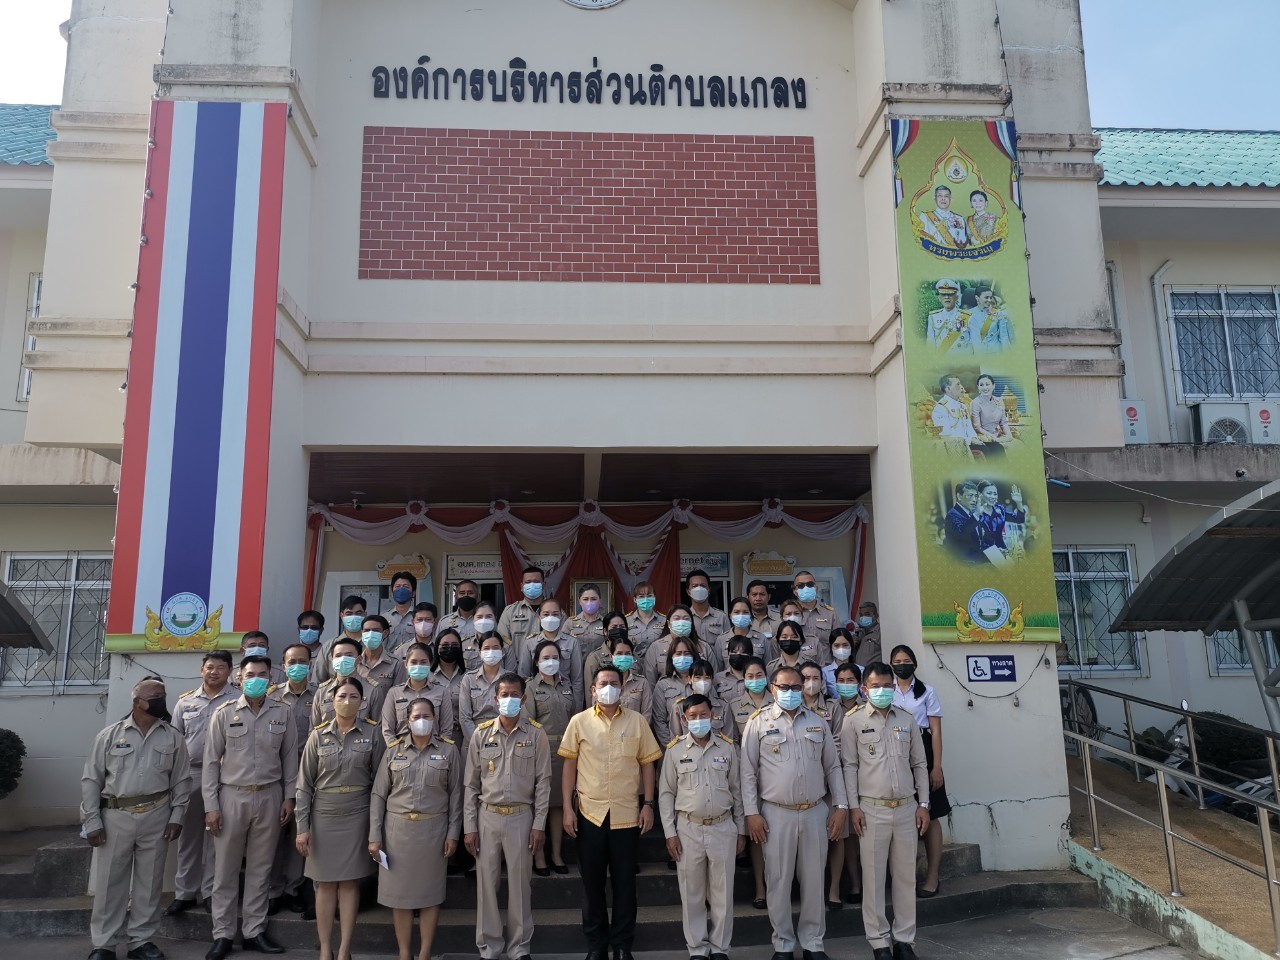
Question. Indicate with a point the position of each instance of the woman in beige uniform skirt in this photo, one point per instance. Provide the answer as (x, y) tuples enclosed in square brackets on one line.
[(415, 818), (549, 699), (339, 762)]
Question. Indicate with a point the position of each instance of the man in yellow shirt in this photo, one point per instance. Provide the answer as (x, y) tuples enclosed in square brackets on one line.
[(609, 754)]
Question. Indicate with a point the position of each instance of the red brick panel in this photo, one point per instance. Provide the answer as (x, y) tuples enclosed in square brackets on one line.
[(590, 207)]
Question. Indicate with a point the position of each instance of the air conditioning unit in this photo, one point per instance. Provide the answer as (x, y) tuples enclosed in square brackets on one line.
[(1253, 421)]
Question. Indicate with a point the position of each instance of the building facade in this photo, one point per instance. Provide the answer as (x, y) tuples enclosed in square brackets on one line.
[(747, 377)]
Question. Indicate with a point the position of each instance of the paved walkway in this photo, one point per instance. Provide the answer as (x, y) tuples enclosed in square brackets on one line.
[(1023, 935)]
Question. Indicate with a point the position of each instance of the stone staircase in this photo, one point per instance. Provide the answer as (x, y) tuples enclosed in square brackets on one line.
[(42, 895)]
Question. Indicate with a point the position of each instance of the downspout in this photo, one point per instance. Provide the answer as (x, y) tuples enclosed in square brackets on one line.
[(1166, 351), (1126, 382)]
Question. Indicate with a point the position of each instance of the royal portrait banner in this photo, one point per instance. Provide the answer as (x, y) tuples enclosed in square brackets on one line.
[(977, 460)]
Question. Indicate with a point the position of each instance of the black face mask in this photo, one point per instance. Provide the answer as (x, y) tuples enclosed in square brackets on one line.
[(450, 654), (617, 633), (903, 671), (738, 661), (157, 707), (789, 647), (467, 604)]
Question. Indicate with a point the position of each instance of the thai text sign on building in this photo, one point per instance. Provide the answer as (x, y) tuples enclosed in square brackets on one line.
[(977, 462)]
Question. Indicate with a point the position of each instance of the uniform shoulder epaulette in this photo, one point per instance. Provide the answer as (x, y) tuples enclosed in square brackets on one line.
[(396, 742), (223, 705), (188, 693), (534, 722), (370, 720), (674, 741), (448, 741), (323, 725), (852, 710), (727, 740), (482, 725), (756, 713), (273, 688)]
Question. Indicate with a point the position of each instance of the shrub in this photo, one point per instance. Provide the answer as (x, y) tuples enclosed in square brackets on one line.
[(12, 750)]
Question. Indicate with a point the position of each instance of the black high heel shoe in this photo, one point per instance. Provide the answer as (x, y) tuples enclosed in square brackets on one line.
[(560, 868), (542, 871)]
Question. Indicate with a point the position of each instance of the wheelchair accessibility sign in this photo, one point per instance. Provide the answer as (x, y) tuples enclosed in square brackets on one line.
[(991, 669)]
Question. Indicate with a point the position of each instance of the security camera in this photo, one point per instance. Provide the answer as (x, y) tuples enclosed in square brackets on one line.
[(1242, 474)]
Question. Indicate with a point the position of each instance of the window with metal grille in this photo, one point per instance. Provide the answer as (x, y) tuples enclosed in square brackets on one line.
[(34, 284), (1228, 654), (67, 594), (1226, 342), (1093, 584)]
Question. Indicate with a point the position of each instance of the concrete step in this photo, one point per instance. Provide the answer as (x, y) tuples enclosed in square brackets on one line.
[(560, 931), (61, 869)]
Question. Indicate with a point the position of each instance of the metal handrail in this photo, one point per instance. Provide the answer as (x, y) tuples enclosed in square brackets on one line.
[(1264, 809), (1271, 738)]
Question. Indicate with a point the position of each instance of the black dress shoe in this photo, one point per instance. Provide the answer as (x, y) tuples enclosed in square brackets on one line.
[(903, 951), (179, 905), (560, 868), (719, 956), (923, 894), (542, 871), (881, 953), (622, 953), (597, 955), (263, 944), (783, 956), (855, 897), (102, 953), (815, 955), (145, 951), (221, 948), (273, 906), (835, 905)]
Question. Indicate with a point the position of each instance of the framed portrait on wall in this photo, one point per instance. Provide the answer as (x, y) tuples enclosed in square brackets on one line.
[(604, 586)]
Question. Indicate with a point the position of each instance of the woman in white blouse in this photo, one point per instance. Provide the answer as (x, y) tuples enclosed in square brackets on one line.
[(912, 693)]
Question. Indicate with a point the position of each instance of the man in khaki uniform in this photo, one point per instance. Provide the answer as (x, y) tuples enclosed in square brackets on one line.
[(250, 780), (519, 620), (817, 618), (790, 780), (346, 654), (377, 662), (710, 623), (133, 801), (885, 772), (764, 619), (298, 693), (466, 597), (700, 801), (191, 714), (504, 816)]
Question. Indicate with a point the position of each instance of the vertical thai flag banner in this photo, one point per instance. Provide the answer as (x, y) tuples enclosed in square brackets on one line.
[(190, 526)]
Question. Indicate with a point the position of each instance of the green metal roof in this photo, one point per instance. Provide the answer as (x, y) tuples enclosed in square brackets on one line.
[(25, 133), (1133, 157)]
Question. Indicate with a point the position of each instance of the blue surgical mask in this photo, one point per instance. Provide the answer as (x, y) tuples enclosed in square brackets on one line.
[(402, 594), (880, 697), (308, 635), (681, 628), (532, 591), (624, 661), (741, 620), (344, 666), (646, 604), (297, 672), (254, 687), (865, 621), (807, 594), (756, 685), (791, 699), (372, 639), (682, 663), (255, 651), (847, 691), (352, 623), (418, 671), (509, 706), (700, 728)]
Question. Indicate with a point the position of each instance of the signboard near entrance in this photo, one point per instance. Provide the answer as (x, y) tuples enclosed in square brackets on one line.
[(977, 460), (991, 669)]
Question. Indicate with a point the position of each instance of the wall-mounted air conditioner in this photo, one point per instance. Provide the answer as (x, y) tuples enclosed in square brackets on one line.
[(1252, 421)]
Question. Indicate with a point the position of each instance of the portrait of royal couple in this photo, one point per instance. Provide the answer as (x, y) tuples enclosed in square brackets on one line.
[(972, 320), (947, 228), (982, 528)]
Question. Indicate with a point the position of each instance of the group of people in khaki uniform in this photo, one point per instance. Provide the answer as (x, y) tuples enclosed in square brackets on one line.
[(383, 768)]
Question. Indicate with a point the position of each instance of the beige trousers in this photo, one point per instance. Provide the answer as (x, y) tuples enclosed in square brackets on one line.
[(504, 838), (194, 878), (250, 831), (888, 845), (127, 876), (796, 849), (705, 872)]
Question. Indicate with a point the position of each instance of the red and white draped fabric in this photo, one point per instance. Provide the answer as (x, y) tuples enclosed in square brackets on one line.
[(589, 528)]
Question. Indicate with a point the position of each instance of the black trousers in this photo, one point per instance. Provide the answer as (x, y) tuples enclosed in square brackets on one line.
[(615, 852)]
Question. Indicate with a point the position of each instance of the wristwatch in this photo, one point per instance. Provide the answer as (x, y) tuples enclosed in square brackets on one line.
[(649, 803), (842, 806), (924, 804)]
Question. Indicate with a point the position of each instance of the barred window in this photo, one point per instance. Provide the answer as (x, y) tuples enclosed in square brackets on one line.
[(1093, 584), (1227, 342), (67, 595), (1227, 652)]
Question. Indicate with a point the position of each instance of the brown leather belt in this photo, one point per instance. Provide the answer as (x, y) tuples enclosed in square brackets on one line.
[(505, 809), (139, 804), (707, 821), (891, 804)]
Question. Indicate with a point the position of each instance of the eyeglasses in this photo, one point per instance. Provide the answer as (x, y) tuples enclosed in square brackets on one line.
[(789, 687), (808, 583)]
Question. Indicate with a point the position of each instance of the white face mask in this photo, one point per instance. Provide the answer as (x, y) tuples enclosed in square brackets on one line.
[(698, 594), (490, 657), (484, 624), (549, 668), (608, 695), (840, 653), (550, 624), (702, 686), (421, 727), (812, 687)]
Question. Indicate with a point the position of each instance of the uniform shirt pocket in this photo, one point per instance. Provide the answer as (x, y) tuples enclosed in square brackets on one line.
[(524, 759), (238, 737), (162, 758), (813, 744)]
